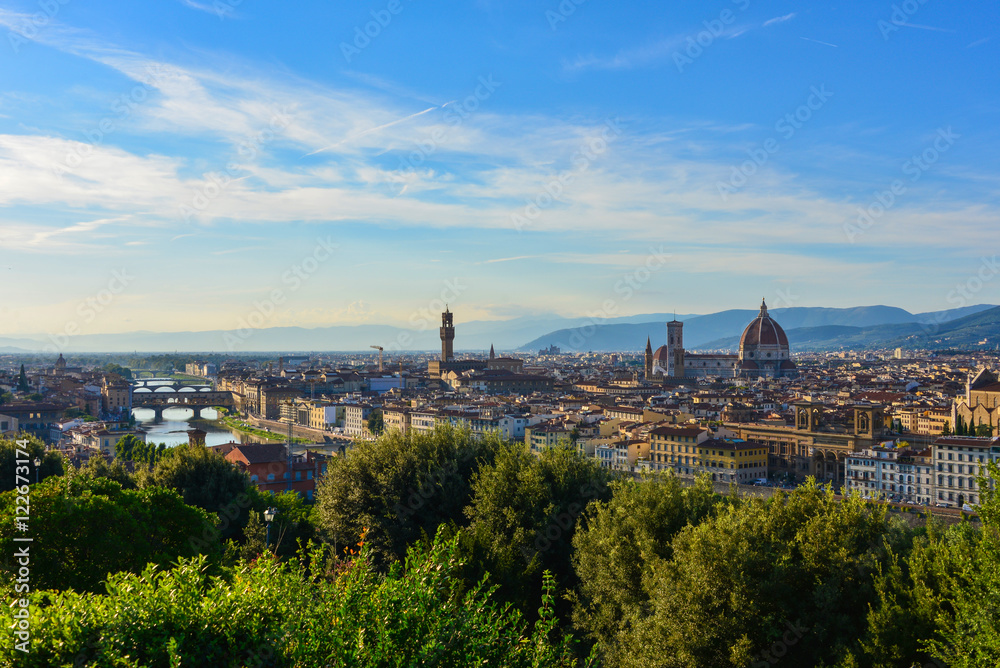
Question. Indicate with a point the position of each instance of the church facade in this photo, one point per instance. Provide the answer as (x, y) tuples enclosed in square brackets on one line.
[(981, 403), (763, 353)]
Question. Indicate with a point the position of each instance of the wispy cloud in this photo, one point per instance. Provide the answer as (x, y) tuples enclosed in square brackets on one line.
[(780, 19), (978, 42), (199, 6), (645, 55)]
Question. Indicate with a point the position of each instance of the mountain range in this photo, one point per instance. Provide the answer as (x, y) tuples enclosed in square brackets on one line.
[(808, 328)]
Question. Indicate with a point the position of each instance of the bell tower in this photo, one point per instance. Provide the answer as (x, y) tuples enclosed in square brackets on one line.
[(447, 336), (675, 348)]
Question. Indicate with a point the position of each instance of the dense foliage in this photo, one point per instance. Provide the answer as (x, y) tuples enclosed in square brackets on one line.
[(85, 528), (205, 479), (291, 613), (400, 488), (52, 463)]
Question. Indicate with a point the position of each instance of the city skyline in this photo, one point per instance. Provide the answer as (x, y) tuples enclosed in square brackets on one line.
[(188, 161)]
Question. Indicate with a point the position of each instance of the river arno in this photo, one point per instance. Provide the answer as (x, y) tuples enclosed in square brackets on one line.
[(176, 422)]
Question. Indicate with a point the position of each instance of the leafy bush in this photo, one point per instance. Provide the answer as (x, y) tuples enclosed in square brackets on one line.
[(84, 528), (291, 613)]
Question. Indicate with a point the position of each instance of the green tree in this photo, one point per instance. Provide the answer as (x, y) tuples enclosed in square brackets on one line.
[(619, 546), (118, 370), (52, 462), (205, 479), (85, 528), (968, 633), (523, 514), (293, 526), (376, 423), (22, 381), (290, 613), (400, 487), (788, 577), (99, 467)]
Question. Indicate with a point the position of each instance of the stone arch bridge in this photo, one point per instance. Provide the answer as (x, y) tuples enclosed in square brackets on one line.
[(179, 396)]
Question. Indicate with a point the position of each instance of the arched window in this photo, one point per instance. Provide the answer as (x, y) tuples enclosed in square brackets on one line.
[(270, 477), (253, 478)]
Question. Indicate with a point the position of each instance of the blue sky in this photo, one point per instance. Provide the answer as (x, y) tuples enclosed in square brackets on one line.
[(228, 157)]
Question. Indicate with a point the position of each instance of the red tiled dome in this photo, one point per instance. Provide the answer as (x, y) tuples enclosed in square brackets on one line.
[(763, 331), (661, 354)]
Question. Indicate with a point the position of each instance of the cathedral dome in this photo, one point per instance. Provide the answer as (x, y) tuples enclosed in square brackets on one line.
[(661, 355), (763, 331)]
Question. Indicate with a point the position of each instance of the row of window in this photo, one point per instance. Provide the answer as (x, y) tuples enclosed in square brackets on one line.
[(270, 476), (960, 468), (970, 458), (961, 482)]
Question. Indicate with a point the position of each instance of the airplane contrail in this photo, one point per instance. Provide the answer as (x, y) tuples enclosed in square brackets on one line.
[(376, 129)]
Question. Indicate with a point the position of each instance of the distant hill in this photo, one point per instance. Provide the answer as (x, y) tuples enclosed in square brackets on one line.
[(968, 332), (712, 331), (808, 328)]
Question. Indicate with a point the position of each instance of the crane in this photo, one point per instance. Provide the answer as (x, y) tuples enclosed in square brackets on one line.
[(379, 356)]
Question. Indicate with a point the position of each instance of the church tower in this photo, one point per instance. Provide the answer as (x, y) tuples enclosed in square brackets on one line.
[(649, 359), (447, 336), (675, 348)]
